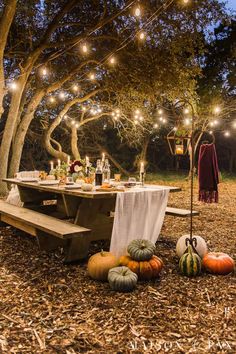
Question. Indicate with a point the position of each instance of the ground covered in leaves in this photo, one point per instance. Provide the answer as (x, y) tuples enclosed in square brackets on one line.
[(48, 307)]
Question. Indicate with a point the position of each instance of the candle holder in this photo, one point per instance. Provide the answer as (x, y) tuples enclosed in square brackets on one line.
[(142, 177)]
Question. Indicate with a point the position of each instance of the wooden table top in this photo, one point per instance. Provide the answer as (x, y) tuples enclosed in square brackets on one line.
[(60, 189)]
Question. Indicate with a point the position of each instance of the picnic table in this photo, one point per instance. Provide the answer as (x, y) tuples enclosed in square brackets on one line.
[(89, 214)]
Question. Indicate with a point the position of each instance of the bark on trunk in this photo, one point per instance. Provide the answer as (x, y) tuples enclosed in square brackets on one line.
[(5, 24), (74, 143), (58, 154)]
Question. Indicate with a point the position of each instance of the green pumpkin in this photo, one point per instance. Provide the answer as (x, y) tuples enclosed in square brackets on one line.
[(122, 279), (190, 263), (141, 250)]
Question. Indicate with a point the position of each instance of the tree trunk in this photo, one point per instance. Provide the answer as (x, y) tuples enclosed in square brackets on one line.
[(74, 143), (113, 160), (5, 24), (8, 132)]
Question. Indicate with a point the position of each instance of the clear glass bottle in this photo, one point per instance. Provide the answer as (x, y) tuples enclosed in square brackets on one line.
[(98, 174), (106, 172)]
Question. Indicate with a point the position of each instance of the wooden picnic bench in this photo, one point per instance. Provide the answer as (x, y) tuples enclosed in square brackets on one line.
[(50, 232), (90, 213)]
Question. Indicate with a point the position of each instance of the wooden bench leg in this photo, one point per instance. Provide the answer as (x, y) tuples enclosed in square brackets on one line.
[(48, 242), (77, 249)]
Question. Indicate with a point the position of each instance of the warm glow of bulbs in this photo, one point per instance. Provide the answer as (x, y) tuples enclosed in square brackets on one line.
[(52, 99), (187, 121), (112, 60), (92, 76), (185, 1), (84, 48), (65, 116), (234, 125), (75, 88), (83, 108), (217, 110), (160, 111), (13, 86), (155, 126), (77, 125), (72, 122), (186, 111), (62, 95), (137, 11), (227, 133), (142, 35)]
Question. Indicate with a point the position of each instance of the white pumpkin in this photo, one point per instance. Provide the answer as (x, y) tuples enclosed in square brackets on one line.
[(201, 247)]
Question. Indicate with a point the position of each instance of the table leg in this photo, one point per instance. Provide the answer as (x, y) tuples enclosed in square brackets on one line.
[(94, 214)]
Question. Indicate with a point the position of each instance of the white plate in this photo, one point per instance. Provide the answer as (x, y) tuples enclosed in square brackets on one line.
[(28, 179), (73, 186), (48, 183)]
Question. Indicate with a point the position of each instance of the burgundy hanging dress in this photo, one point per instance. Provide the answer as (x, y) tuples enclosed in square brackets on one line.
[(208, 174)]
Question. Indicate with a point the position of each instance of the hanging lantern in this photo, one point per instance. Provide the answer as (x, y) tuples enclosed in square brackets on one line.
[(178, 141)]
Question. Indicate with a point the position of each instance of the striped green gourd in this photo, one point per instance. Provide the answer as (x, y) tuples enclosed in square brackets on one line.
[(190, 263)]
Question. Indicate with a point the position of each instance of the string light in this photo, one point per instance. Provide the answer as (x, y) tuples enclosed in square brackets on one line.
[(52, 99), (84, 48), (65, 117), (216, 110), (92, 76), (161, 119), (227, 133), (160, 111), (77, 125), (211, 132), (137, 11), (72, 122), (216, 122), (84, 108), (13, 86), (142, 35), (234, 125), (187, 121), (112, 60), (62, 95), (75, 88), (185, 1), (164, 120), (155, 126), (175, 129), (186, 111)]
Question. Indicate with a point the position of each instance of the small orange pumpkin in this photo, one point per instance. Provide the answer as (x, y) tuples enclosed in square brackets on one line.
[(218, 263), (145, 270), (100, 263)]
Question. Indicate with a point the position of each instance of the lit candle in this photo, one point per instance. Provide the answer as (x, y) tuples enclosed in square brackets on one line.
[(142, 167), (87, 161), (103, 157), (51, 164), (68, 159), (59, 163)]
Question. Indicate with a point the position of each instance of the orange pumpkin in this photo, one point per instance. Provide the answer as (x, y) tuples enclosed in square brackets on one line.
[(145, 270), (218, 263)]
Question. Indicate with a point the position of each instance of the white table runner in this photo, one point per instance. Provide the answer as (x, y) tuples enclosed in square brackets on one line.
[(139, 213)]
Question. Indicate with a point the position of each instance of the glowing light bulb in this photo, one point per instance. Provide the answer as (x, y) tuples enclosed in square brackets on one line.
[(164, 120), (62, 95), (72, 122), (137, 111), (216, 122), (137, 11), (65, 117), (185, 1), (161, 119), (83, 108), (141, 118), (186, 111), (113, 114), (155, 126), (92, 76), (187, 121), (160, 111), (211, 132), (77, 125), (217, 110), (142, 36), (52, 100), (75, 88), (175, 129), (135, 122), (117, 111), (227, 133), (84, 48), (234, 125), (13, 86), (112, 60)]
